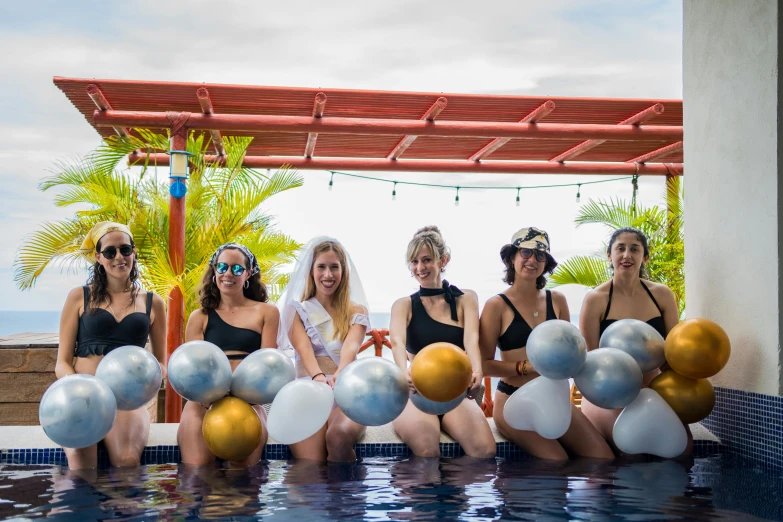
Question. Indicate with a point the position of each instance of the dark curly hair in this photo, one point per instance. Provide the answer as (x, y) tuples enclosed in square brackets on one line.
[(99, 284), (507, 254), (642, 239), (209, 294)]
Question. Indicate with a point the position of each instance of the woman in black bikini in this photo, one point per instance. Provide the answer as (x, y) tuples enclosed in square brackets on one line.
[(626, 296), (109, 312), (235, 316), (438, 312), (506, 322)]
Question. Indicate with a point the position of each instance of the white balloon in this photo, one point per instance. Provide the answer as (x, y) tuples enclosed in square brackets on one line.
[(649, 425), (541, 405), (299, 410)]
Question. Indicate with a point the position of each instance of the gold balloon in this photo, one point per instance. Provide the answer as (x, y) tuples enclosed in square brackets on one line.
[(232, 429), (691, 399), (697, 348), (441, 372)]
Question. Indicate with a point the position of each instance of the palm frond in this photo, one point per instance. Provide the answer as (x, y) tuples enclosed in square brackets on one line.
[(56, 242), (580, 270)]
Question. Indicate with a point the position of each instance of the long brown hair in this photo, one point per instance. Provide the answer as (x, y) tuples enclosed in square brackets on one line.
[(209, 293), (342, 296), (99, 282)]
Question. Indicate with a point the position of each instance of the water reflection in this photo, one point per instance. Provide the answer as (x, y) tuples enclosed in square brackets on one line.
[(400, 489)]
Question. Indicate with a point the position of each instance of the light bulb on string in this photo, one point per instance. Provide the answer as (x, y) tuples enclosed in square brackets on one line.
[(456, 198), (394, 192), (331, 182), (578, 192), (518, 189)]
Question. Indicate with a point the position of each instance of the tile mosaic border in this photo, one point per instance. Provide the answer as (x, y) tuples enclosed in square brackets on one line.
[(171, 454), (748, 424)]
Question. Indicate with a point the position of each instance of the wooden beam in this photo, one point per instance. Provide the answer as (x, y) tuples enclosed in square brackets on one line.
[(412, 165), (318, 111), (100, 101), (432, 113), (636, 119), (391, 127), (658, 153), (538, 113), (206, 107)]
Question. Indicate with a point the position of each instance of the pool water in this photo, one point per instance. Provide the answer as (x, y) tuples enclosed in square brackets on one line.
[(462, 488)]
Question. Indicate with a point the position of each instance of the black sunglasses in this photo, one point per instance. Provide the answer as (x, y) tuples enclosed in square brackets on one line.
[(237, 270), (527, 253), (111, 252)]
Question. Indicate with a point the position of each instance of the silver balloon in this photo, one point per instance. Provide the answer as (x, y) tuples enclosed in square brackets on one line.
[(260, 376), (200, 371), (77, 411), (638, 339), (133, 374), (433, 407), (610, 378), (556, 349), (371, 391)]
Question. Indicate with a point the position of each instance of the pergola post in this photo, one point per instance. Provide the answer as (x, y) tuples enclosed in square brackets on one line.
[(176, 303)]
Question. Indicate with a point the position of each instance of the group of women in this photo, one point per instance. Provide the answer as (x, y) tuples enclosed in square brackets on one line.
[(323, 318)]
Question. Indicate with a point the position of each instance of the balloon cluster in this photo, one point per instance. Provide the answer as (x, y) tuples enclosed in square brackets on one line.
[(78, 410)]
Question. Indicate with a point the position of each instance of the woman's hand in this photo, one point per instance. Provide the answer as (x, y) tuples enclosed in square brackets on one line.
[(475, 384), (322, 378), (411, 387), (333, 379)]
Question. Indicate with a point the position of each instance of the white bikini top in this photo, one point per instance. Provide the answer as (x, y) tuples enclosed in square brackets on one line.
[(320, 328)]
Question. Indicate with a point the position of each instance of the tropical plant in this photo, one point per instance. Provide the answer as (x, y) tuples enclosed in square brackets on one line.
[(224, 203), (664, 229)]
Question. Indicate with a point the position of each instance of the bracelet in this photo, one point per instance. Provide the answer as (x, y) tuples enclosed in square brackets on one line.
[(519, 368), (524, 367), (317, 374)]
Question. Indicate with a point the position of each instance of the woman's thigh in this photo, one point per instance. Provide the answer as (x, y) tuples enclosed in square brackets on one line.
[(584, 439), (312, 448), (419, 431), (190, 436), (343, 427), (468, 425), (126, 440)]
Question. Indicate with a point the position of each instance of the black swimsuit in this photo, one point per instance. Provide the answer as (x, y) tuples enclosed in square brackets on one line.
[(99, 332), (423, 330), (230, 338), (655, 322), (517, 333)]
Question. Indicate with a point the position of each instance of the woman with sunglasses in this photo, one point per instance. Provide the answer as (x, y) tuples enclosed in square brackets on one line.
[(506, 323), (235, 316), (109, 312), (438, 312), (627, 295)]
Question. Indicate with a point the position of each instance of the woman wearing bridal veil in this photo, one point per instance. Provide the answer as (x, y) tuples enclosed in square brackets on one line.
[(324, 318)]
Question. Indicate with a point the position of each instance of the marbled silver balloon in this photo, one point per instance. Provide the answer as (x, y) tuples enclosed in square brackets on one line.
[(371, 391), (260, 376), (77, 411), (133, 374), (610, 378), (433, 407), (638, 339), (556, 349), (200, 371)]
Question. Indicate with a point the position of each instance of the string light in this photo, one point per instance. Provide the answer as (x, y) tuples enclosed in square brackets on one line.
[(394, 192), (518, 189), (456, 198), (331, 182), (578, 192)]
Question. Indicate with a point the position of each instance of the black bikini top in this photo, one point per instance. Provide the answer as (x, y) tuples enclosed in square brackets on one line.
[(230, 338), (518, 331), (423, 330), (100, 333), (655, 322)]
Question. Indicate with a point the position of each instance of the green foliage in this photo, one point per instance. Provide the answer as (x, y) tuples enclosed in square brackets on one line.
[(223, 203), (665, 235)]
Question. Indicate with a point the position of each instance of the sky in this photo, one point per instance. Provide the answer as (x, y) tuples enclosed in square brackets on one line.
[(558, 48)]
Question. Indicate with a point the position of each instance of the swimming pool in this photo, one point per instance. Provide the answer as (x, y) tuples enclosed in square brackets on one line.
[(716, 487)]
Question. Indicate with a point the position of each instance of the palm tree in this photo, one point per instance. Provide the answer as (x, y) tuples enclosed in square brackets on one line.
[(224, 203), (665, 234)]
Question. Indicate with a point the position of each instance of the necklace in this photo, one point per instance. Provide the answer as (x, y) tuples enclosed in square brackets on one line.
[(111, 310)]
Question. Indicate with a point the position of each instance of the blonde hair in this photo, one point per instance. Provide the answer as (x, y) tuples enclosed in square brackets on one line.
[(430, 237), (342, 296)]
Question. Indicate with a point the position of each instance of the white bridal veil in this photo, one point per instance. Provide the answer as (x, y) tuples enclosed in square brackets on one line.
[(296, 285)]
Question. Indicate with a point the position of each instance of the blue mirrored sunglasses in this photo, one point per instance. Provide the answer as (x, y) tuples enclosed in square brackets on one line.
[(237, 270)]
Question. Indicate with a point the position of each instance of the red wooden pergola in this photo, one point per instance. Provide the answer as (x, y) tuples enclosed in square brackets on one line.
[(343, 129)]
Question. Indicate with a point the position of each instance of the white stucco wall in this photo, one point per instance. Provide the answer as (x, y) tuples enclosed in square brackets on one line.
[(732, 208)]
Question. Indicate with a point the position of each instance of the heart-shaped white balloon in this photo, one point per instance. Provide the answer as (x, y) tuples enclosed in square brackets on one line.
[(649, 425), (541, 405)]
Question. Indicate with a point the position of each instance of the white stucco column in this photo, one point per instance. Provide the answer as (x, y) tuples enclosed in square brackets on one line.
[(733, 196)]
